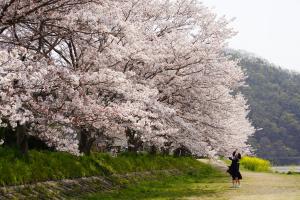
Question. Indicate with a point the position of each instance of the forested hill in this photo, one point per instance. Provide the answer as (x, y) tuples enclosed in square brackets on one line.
[(274, 98)]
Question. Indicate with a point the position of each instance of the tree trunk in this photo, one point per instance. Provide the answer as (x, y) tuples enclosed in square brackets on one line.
[(85, 143), (153, 150), (22, 139), (134, 142)]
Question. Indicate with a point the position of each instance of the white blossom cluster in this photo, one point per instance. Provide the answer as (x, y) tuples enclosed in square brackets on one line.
[(156, 67)]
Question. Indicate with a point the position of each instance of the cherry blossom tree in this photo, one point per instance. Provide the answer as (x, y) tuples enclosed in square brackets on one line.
[(53, 103), (176, 47), (152, 70)]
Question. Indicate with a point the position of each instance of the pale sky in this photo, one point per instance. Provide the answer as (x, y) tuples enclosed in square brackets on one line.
[(267, 28)]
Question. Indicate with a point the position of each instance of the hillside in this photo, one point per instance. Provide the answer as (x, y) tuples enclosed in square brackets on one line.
[(274, 98)]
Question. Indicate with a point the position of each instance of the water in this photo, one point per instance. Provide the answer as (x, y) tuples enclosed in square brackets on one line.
[(285, 169), (284, 161)]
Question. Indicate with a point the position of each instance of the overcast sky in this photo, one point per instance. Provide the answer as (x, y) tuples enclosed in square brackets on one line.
[(268, 28)]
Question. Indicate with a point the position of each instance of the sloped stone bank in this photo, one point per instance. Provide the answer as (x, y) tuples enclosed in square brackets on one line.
[(72, 188)]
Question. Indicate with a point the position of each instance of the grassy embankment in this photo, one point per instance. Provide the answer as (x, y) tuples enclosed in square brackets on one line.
[(195, 180), (203, 180), (38, 166), (258, 183), (202, 184)]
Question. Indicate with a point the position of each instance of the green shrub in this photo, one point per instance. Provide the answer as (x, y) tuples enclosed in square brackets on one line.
[(255, 164)]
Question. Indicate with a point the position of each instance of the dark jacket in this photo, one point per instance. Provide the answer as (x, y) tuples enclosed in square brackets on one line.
[(234, 168)]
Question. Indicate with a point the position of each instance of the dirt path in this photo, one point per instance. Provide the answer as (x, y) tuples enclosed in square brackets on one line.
[(257, 186), (267, 186)]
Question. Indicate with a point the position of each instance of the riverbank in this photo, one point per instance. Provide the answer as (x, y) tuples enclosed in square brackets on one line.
[(286, 169)]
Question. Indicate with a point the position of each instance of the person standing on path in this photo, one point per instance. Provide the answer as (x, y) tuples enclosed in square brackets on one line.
[(234, 169)]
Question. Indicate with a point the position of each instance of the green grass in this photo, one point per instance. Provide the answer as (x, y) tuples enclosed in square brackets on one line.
[(200, 181), (16, 169), (38, 166), (255, 164)]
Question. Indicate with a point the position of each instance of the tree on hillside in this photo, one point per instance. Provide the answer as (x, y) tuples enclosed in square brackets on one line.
[(154, 69)]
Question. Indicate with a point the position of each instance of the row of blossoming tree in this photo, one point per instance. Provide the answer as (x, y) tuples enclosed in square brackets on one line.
[(154, 71)]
